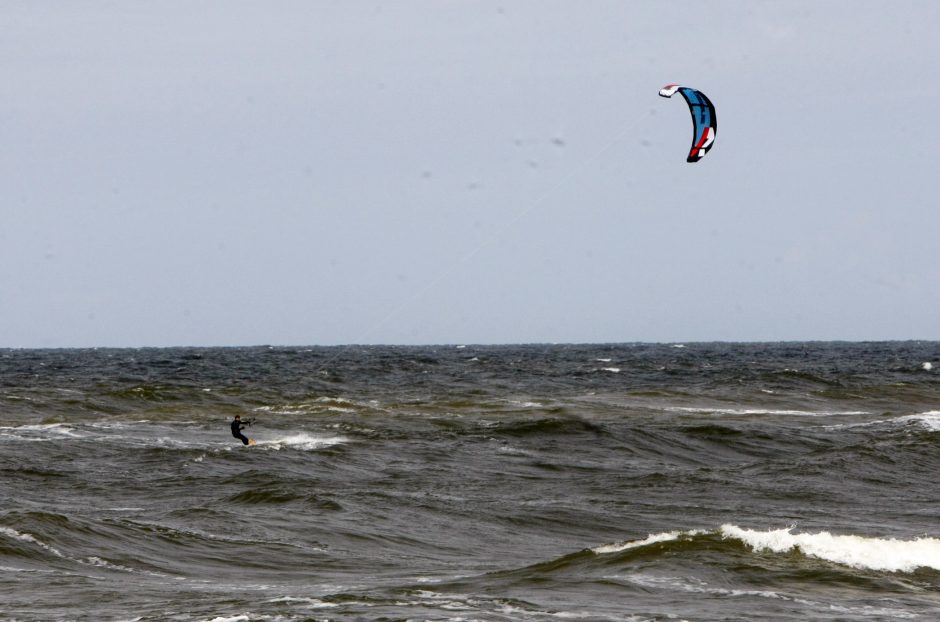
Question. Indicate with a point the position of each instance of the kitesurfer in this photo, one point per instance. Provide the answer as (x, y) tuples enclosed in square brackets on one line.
[(237, 427)]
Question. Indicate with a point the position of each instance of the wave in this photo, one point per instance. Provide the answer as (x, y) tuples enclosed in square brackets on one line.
[(884, 554), (185, 435), (765, 411), (29, 539), (23, 542), (301, 441), (280, 494), (815, 379), (38, 432), (929, 421), (322, 405), (276, 496), (859, 552), (685, 584), (651, 539), (547, 426)]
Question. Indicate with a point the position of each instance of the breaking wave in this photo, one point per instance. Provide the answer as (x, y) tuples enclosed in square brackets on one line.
[(884, 554), (860, 552), (302, 441)]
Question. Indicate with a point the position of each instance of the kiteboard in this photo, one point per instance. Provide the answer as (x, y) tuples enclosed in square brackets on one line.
[(252, 441)]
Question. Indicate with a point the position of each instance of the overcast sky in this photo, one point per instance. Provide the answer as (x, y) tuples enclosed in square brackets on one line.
[(417, 172)]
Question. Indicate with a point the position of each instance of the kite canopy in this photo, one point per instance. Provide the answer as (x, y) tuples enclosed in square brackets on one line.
[(704, 120)]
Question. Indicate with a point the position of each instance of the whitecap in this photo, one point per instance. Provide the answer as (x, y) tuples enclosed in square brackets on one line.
[(526, 404), (302, 441), (514, 451), (765, 411), (929, 420), (889, 554), (25, 537), (651, 539), (318, 405), (311, 603), (12, 569), (102, 563), (39, 432)]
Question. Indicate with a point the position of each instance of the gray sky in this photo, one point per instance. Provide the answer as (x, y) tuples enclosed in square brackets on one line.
[(237, 173)]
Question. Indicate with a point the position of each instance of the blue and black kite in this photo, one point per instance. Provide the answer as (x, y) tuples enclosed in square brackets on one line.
[(704, 121)]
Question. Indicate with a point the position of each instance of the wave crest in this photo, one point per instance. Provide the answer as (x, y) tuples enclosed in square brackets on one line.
[(888, 554), (860, 552), (302, 441)]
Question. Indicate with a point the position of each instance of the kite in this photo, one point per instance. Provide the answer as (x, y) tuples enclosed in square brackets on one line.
[(704, 121)]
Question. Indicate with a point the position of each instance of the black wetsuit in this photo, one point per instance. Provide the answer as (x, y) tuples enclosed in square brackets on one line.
[(237, 431)]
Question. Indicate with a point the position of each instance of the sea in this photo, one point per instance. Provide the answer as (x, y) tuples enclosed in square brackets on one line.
[(625, 482)]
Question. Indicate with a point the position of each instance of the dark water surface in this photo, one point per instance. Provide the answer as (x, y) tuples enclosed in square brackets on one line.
[(599, 482)]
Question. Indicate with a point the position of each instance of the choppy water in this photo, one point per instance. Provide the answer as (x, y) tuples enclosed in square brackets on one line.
[(609, 482)]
